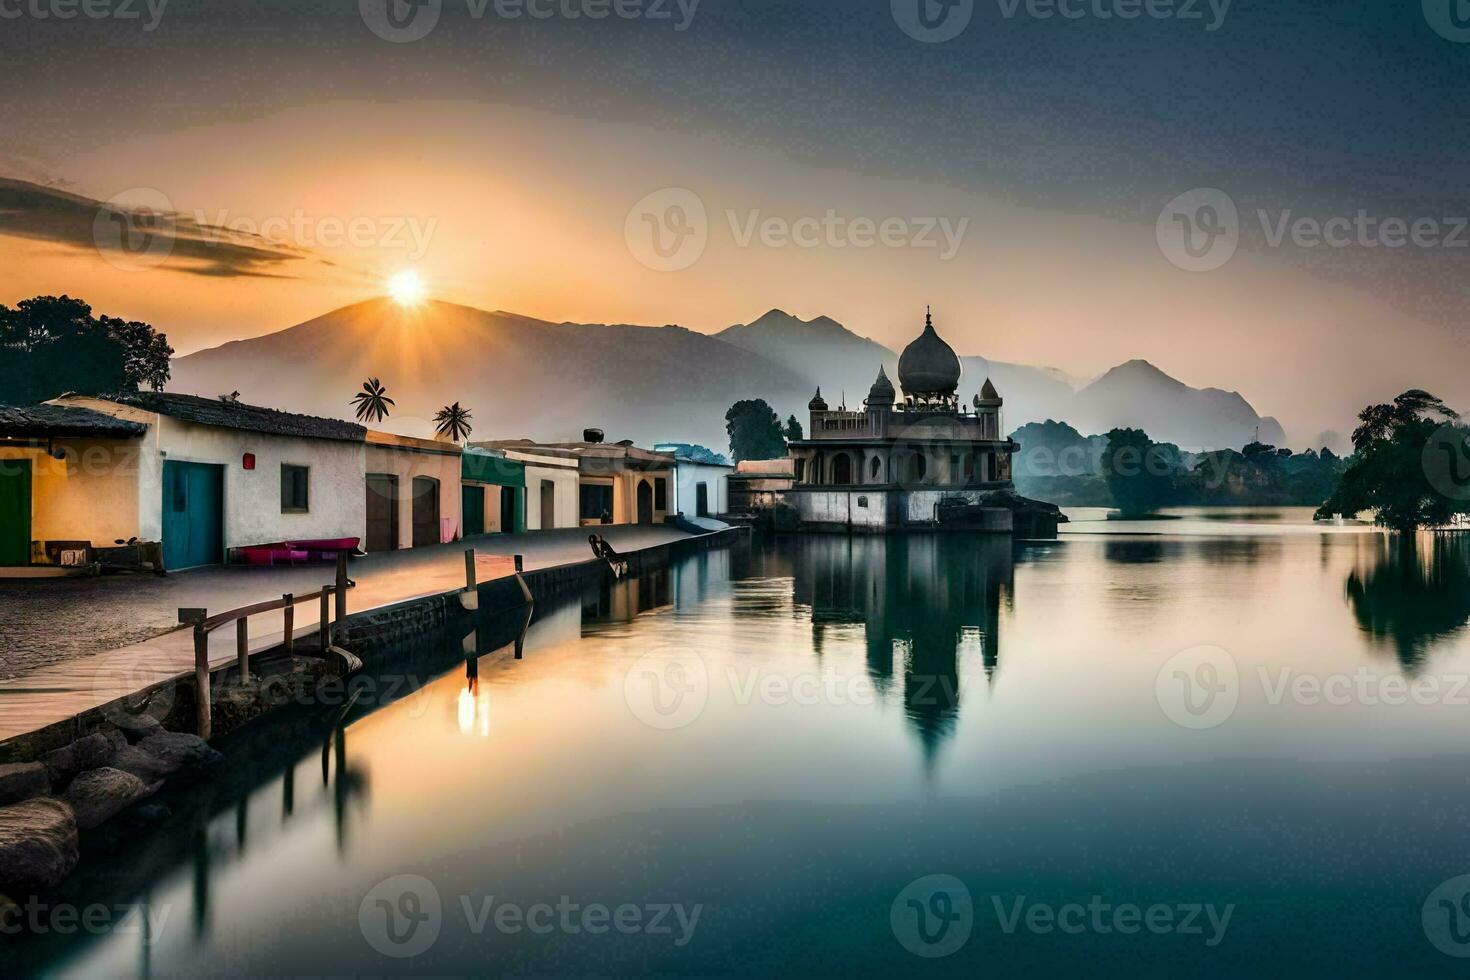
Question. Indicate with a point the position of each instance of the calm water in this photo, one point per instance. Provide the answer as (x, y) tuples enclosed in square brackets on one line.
[(1218, 745)]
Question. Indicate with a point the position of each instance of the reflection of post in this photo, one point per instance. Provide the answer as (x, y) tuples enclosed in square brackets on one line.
[(288, 792), (201, 681), (201, 881), (145, 954), (339, 791), (242, 811)]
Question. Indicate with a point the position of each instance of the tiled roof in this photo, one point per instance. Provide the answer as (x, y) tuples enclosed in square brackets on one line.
[(36, 421), (237, 415)]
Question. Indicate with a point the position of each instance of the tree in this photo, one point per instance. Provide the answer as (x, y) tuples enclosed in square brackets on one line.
[(1407, 465), (1138, 471), (453, 422), (373, 403), (755, 431), (51, 345), (793, 430)]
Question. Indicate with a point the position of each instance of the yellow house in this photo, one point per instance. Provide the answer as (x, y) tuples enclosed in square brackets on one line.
[(68, 481)]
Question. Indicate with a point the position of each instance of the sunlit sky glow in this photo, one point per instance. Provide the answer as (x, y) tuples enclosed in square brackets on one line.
[(499, 160)]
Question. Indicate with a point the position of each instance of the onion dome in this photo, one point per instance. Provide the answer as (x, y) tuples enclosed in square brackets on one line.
[(817, 404), (929, 367), (882, 395), (988, 397)]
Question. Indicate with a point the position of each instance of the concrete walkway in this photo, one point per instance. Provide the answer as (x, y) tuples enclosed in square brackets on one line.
[(79, 680)]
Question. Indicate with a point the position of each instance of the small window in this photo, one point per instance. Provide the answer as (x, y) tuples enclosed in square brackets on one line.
[(295, 492), (660, 494)]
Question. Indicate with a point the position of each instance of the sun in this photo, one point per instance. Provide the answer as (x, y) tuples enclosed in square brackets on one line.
[(406, 288)]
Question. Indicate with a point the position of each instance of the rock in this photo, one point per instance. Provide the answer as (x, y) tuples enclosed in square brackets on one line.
[(38, 845), (92, 752), (137, 727), (98, 795), (115, 736), (180, 749), (144, 764), (23, 780)]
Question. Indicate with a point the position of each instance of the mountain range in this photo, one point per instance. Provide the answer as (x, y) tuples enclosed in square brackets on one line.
[(529, 378)]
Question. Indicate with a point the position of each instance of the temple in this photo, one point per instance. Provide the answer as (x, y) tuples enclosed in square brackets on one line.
[(923, 462)]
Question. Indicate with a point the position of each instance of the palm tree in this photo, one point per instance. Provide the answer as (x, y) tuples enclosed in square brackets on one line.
[(453, 422), (372, 402)]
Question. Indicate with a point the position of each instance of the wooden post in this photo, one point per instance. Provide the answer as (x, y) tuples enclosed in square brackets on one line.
[(326, 621), (202, 718), (341, 591), (520, 564), (469, 569), (290, 613), (242, 647)]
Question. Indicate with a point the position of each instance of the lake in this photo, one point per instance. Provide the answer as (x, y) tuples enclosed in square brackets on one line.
[(1217, 744)]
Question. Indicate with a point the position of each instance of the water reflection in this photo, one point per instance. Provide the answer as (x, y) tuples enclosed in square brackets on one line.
[(1411, 592), (924, 601)]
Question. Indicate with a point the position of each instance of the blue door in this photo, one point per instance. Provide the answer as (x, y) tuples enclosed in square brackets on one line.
[(193, 514)]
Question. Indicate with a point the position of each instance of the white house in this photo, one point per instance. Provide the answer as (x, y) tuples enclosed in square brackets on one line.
[(701, 489), (552, 487), (208, 475)]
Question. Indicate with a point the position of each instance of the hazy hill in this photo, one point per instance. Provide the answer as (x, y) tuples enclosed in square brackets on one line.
[(529, 378), (520, 376), (1139, 395)]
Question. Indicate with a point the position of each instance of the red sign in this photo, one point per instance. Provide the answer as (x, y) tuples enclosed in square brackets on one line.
[(248, 461)]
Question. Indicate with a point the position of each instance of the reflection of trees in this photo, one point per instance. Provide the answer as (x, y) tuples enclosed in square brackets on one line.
[(923, 600), (1414, 592)]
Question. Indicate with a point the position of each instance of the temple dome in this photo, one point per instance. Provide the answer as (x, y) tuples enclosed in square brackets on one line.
[(929, 366), (818, 403), (882, 392)]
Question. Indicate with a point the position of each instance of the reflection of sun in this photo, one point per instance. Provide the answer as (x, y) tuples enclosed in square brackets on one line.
[(406, 288)]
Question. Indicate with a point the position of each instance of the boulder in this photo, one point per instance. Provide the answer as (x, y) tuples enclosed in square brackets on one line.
[(180, 749), (23, 780), (38, 845), (98, 795), (137, 727), (143, 764), (92, 752)]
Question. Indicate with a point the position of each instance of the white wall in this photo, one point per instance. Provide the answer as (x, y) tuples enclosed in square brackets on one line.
[(337, 498), (398, 456), (566, 496), (688, 476)]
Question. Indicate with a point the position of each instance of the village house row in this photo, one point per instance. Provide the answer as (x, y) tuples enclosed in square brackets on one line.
[(215, 481)]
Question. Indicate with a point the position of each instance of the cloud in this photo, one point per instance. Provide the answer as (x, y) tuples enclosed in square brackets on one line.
[(159, 234)]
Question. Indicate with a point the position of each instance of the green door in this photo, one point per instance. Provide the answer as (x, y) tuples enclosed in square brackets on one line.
[(15, 512), (193, 514), (474, 510)]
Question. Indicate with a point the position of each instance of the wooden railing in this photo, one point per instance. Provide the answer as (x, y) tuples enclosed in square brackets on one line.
[(204, 624)]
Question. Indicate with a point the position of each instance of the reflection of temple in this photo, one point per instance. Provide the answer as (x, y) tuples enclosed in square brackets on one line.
[(927, 602), (924, 462)]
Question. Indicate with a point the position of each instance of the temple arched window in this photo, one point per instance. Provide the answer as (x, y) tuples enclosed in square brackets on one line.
[(842, 469)]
